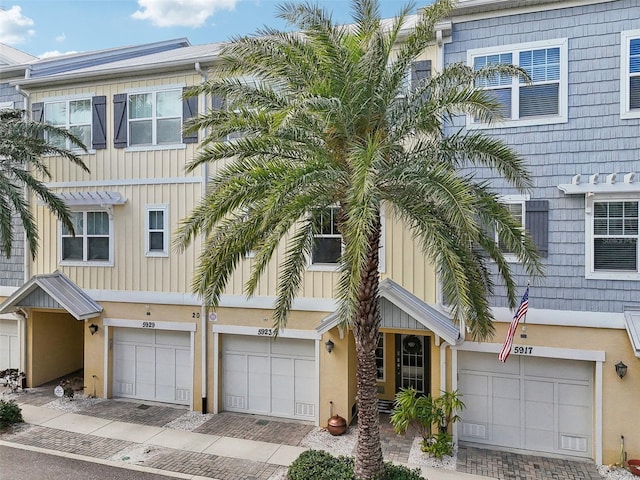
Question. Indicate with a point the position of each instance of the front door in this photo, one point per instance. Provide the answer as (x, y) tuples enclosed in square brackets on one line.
[(412, 363)]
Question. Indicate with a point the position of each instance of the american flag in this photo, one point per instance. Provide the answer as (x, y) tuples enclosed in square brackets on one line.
[(520, 313)]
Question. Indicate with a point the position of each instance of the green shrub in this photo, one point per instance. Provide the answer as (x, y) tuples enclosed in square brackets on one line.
[(10, 413), (319, 465), (439, 446)]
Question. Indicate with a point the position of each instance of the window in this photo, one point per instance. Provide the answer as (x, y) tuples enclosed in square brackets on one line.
[(517, 210), (93, 238), (380, 358), (155, 118), (614, 240), (630, 74), (327, 246), (71, 115), (544, 100), (157, 231)]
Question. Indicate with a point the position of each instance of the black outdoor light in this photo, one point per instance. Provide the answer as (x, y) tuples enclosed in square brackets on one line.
[(621, 369), (93, 328), (329, 346)]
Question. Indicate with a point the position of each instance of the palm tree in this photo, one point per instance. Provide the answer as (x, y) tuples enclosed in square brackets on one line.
[(320, 118), (22, 148)]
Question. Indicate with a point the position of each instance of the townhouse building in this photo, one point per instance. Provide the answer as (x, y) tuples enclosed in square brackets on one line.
[(12, 66), (577, 124), (116, 299)]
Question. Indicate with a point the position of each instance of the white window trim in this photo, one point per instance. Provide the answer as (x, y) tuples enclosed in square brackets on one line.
[(70, 98), (590, 273), (153, 146), (625, 39), (6, 105), (515, 199), (384, 358), (165, 229), (88, 263), (563, 110), (382, 257)]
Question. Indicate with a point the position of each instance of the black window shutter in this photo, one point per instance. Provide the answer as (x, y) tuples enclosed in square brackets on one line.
[(537, 223), (99, 122), (37, 115), (120, 123), (420, 70), (189, 110)]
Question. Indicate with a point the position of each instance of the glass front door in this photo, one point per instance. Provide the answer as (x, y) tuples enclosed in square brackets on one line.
[(412, 363)]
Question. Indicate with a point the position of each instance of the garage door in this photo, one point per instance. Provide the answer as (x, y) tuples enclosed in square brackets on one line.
[(528, 403), (152, 365), (269, 377), (9, 346)]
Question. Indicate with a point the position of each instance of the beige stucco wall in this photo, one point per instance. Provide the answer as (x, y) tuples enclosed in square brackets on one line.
[(54, 346)]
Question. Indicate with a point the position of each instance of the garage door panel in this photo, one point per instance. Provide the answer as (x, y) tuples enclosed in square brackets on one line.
[(538, 391), (506, 412), (148, 366), (473, 384), (280, 382), (506, 387), (555, 413)]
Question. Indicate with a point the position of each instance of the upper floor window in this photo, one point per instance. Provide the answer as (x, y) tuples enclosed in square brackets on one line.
[(152, 118), (84, 117), (613, 243), (157, 231), (93, 240), (155, 118), (630, 74), (327, 245), (517, 209), (541, 101)]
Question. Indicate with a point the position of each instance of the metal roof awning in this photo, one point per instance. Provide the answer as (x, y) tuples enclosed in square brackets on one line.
[(427, 315), (611, 183), (92, 198), (632, 323), (55, 291)]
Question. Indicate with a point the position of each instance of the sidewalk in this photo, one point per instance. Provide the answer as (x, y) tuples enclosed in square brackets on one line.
[(176, 453)]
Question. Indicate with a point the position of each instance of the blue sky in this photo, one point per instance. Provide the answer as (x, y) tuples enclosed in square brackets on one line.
[(50, 27)]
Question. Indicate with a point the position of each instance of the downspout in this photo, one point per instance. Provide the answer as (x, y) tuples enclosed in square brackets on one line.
[(26, 260), (203, 307)]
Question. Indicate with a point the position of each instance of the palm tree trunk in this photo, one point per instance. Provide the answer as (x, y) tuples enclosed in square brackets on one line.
[(369, 461)]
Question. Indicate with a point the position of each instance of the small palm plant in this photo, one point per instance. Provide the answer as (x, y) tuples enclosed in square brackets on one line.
[(423, 412)]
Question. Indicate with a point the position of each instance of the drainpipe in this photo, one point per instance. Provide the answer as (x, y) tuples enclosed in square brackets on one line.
[(26, 259), (203, 307), (443, 366)]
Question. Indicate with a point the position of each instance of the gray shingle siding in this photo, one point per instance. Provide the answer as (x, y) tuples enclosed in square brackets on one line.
[(12, 268), (594, 140)]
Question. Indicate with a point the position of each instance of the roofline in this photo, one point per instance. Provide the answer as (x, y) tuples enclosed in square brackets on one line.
[(482, 7), (114, 72)]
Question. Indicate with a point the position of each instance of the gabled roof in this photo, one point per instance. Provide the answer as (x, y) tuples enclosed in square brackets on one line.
[(632, 322), (59, 292), (13, 56), (427, 315)]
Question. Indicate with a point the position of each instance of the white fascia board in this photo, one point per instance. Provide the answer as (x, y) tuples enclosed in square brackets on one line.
[(564, 318), (539, 351), (253, 331)]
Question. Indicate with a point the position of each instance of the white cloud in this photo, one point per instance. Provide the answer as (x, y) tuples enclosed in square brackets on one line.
[(55, 53), (184, 13), (61, 38), (15, 27)]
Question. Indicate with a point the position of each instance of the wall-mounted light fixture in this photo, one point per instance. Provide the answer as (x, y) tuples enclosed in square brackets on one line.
[(329, 345), (93, 328), (621, 369)]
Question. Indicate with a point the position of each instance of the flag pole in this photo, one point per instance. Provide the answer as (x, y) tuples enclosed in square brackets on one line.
[(524, 320)]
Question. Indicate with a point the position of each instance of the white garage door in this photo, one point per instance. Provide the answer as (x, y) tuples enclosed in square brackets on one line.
[(529, 403), (152, 365), (9, 345), (269, 377)]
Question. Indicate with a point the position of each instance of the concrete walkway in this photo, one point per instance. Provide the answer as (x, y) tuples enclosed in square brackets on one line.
[(176, 453)]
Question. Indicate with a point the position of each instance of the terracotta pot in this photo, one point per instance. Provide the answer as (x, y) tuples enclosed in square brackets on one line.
[(336, 425)]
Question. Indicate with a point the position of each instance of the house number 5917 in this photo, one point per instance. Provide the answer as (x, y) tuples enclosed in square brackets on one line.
[(523, 350)]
